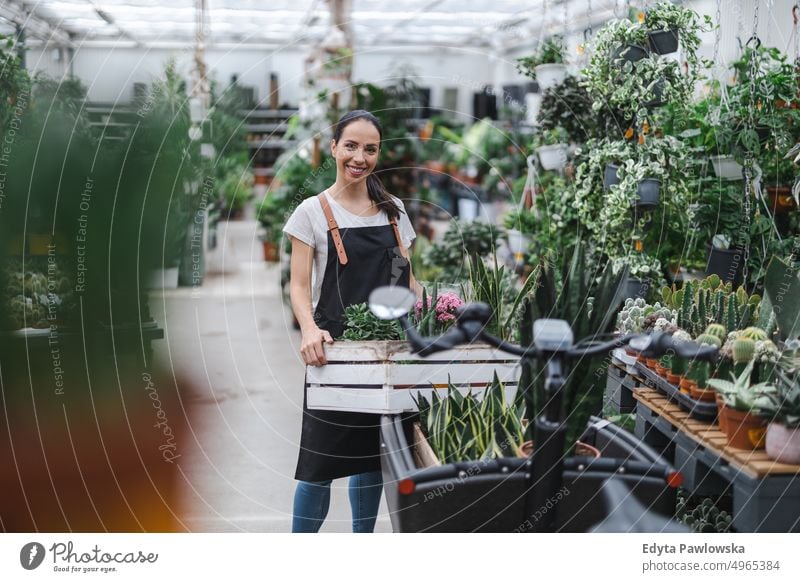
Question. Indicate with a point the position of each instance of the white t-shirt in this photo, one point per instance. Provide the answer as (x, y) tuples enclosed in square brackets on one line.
[(307, 223)]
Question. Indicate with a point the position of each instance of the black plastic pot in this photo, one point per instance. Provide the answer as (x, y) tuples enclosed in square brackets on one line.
[(726, 263), (658, 94), (663, 42), (490, 496), (610, 176), (635, 288), (629, 52), (648, 194)]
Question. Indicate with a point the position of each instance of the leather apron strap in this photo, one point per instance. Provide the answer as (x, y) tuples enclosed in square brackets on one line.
[(333, 228)]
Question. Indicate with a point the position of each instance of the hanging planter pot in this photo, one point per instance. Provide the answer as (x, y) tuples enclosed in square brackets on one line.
[(658, 94), (726, 263), (783, 444), (552, 157), (518, 242), (628, 52), (663, 42), (610, 176), (727, 168), (635, 288), (648, 194), (550, 75)]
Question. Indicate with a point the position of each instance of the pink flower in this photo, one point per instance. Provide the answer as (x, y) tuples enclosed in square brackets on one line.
[(446, 306)]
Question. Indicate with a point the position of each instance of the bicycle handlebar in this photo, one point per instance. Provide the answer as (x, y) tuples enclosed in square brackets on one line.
[(471, 326)]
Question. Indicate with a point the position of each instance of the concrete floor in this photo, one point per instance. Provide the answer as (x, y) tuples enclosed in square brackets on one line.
[(233, 339)]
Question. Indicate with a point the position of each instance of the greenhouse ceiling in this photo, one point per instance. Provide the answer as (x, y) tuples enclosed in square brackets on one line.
[(495, 24)]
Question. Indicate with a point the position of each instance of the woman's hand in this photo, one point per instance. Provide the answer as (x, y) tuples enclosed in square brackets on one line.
[(311, 347)]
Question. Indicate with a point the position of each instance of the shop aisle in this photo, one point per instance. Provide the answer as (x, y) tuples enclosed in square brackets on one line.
[(232, 340)]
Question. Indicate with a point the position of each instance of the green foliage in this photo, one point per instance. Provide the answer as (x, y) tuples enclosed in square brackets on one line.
[(14, 80), (496, 287), (466, 427), (704, 517), (463, 240), (568, 106), (783, 405), (362, 325), (741, 394), (588, 300)]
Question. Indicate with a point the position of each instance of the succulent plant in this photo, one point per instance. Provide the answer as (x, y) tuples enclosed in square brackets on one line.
[(718, 330), (743, 350), (709, 340), (741, 394), (703, 518), (754, 333)]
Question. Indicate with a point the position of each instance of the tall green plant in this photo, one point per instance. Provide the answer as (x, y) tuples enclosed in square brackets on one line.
[(588, 299), (468, 427)]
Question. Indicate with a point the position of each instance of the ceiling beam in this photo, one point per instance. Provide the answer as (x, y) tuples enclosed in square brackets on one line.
[(18, 13)]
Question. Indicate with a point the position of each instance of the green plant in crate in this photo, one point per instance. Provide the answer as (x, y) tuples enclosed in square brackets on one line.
[(362, 325), (466, 427)]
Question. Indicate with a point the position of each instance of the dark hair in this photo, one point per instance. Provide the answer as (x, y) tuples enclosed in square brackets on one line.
[(377, 193)]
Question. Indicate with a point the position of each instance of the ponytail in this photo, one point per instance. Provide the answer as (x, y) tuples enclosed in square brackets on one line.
[(381, 198)]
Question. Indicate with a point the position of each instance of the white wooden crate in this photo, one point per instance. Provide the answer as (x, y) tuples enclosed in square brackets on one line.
[(384, 377)]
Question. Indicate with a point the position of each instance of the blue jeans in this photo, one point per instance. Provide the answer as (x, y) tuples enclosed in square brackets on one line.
[(312, 500)]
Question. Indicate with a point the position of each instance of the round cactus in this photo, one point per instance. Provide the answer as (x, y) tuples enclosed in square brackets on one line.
[(709, 340), (754, 333), (716, 329), (743, 350)]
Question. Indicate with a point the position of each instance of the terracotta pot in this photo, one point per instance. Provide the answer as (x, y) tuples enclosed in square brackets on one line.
[(703, 394), (651, 363), (630, 352), (721, 418), (686, 384), (744, 430), (673, 379), (642, 359), (661, 370), (783, 444), (271, 251)]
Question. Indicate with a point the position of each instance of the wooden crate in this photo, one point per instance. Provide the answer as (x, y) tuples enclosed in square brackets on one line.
[(384, 377)]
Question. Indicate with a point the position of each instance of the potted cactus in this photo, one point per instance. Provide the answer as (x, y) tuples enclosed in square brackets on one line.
[(742, 425)]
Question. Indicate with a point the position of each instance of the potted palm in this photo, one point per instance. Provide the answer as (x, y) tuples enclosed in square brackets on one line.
[(739, 417), (548, 66)]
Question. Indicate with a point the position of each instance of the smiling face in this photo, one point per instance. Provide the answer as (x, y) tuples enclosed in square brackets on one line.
[(356, 152)]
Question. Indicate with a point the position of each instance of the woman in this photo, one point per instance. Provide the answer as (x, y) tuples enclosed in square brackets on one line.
[(348, 240)]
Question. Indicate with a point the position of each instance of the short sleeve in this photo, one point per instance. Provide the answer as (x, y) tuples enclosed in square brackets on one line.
[(404, 225), (300, 225)]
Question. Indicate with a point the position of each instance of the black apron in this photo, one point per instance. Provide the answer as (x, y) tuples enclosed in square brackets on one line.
[(338, 444)]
